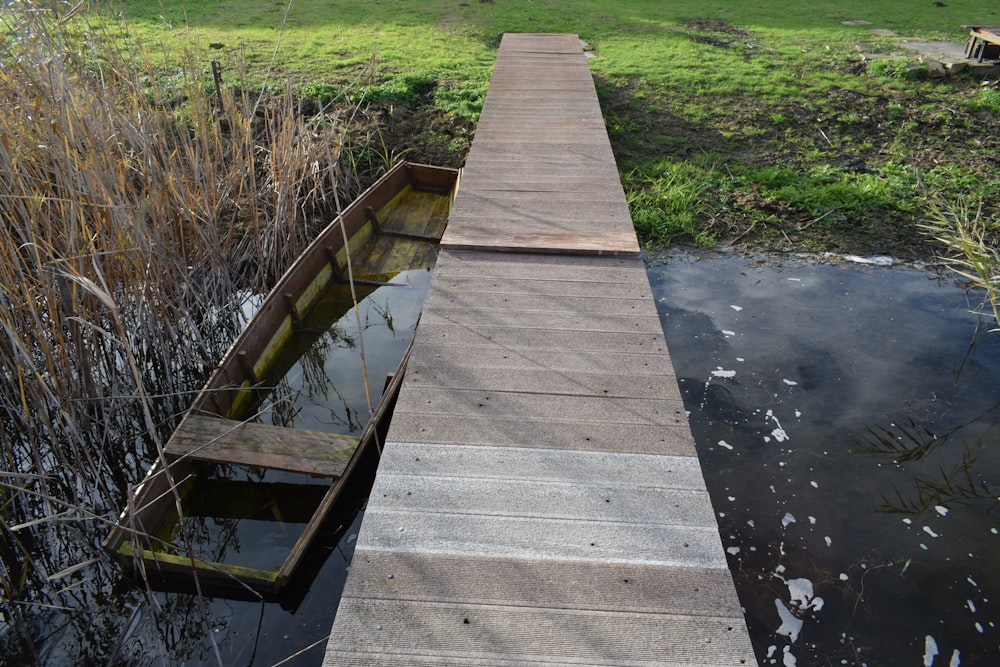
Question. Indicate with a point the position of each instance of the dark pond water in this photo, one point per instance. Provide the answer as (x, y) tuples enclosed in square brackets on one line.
[(846, 416), (324, 391)]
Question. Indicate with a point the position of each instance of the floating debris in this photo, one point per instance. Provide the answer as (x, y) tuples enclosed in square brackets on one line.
[(930, 650)]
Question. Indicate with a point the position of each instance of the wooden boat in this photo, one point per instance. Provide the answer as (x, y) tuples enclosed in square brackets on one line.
[(392, 226)]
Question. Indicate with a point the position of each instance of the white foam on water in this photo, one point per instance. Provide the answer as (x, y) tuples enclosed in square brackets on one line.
[(790, 383), (790, 625), (814, 484), (787, 659), (787, 519), (878, 260), (812, 520), (803, 596), (972, 606), (722, 373), (930, 531), (930, 650), (828, 541), (779, 433), (733, 550), (956, 659), (728, 334), (723, 443), (737, 308), (941, 509)]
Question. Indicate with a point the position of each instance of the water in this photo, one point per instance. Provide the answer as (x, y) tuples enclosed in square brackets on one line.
[(323, 391), (846, 418)]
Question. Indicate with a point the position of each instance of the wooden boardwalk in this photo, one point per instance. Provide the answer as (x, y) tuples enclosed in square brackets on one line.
[(539, 500)]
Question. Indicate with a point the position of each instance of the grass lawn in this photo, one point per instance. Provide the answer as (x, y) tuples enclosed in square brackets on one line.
[(748, 121)]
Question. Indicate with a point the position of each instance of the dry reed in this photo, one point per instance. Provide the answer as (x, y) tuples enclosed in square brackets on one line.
[(133, 216), (970, 243)]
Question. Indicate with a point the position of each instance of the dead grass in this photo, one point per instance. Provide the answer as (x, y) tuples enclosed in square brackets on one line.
[(136, 211)]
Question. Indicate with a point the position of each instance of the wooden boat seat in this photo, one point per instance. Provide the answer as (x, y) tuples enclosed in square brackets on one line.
[(225, 441)]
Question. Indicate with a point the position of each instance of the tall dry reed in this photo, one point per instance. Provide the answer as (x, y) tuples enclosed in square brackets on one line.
[(135, 209)]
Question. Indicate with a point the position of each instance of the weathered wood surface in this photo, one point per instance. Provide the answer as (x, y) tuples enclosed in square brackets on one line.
[(541, 176), (226, 441), (539, 498)]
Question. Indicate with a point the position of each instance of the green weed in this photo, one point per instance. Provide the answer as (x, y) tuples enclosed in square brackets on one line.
[(667, 201), (987, 99)]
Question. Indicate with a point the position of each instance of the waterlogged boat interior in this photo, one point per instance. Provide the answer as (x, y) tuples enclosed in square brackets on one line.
[(225, 478)]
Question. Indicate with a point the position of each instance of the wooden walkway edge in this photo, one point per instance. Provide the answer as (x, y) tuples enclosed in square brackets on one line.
[(539, 500)]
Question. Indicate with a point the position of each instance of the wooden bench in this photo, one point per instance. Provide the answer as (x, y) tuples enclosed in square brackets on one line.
[(984, 42), (225, 441)]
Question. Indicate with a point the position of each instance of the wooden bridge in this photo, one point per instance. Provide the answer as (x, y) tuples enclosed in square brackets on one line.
[(539, 500)]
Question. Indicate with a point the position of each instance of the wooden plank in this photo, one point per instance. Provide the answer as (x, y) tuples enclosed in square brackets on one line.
[(544, 381), (581, 500), (392, 632), (485, 405), (533, 463), (542, 267), (487, 358), (518, 339), (541, 241), (491, 580), (224, 441), (568, 539), (556, 294), (673, 439), (582, 319)]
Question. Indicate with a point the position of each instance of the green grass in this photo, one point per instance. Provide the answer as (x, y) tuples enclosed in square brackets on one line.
[(314, 41), (778, 85)]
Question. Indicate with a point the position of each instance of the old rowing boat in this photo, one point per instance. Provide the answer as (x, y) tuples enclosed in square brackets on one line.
[(214, 464)]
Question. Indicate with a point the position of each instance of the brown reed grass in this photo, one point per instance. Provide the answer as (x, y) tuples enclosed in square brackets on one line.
[(135, 210)]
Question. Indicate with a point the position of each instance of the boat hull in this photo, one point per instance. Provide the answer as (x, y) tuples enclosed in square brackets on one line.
[(393, 226)]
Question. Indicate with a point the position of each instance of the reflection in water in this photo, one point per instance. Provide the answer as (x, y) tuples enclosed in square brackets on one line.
[(324, 391), (847, 430)]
